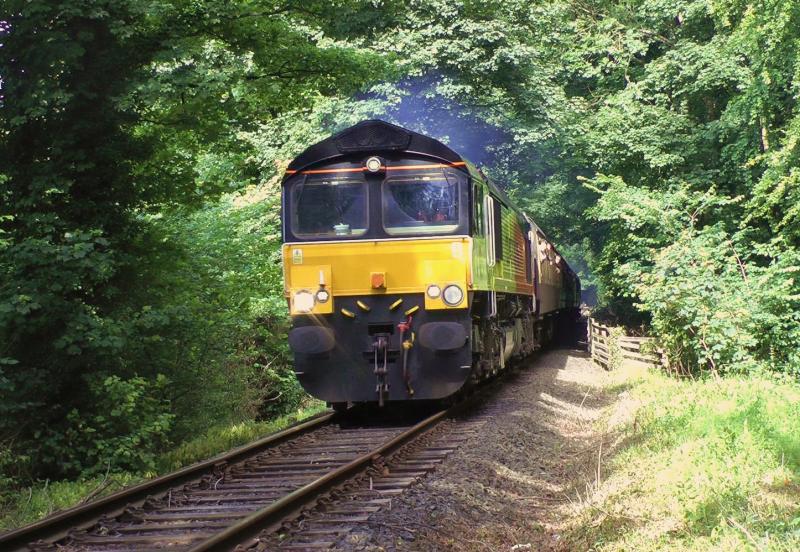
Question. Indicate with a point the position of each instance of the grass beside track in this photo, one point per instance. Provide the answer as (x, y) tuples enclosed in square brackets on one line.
[(20, 507), (695, 465)]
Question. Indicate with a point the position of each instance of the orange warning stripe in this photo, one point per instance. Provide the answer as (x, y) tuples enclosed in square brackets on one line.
[(320, 171), (387, 168), (435, 166)]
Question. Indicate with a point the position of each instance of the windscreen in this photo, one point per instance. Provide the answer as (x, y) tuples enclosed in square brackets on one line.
[(421, 203), (329, 207)]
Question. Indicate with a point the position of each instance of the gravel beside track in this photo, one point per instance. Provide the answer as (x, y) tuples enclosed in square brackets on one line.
[(509, 486)]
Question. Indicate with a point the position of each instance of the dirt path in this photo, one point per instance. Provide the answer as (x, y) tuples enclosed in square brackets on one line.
[(510, 489)]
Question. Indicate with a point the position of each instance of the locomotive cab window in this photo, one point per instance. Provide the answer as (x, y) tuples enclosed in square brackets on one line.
[(421, 203), (329, 207)]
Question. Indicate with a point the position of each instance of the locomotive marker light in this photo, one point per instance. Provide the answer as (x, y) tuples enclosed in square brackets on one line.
[(377, 280), (453, 295), (434, 291), (303, 301), (323, 295), (374, 164)]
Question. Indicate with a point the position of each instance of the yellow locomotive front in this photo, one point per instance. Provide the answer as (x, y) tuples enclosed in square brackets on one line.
[(377, 264)]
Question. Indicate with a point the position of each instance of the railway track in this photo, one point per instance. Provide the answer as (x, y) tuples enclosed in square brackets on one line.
[(233, 498), (342, 518)]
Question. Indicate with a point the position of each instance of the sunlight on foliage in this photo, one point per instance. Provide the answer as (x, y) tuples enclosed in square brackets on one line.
[(711, 465)]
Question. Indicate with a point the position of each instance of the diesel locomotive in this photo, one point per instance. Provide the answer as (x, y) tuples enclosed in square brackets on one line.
[(408, 273)]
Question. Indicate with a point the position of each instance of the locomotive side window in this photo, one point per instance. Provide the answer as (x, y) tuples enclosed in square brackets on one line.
[(477, 201), (329, 207), (489, 220), (527, 244), (498, 228), (422, 203)]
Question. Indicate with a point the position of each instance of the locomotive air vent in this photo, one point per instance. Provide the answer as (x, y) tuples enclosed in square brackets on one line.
[(373, 135)]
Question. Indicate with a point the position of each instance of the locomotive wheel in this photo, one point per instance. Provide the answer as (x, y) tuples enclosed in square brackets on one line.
[(339, 407)]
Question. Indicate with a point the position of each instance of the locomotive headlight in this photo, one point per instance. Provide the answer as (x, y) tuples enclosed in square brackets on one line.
[(303, 301), (434, 291), (374, 164), (453, 295), (323, 295)]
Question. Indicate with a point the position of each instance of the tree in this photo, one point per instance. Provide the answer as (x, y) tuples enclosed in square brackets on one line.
[(114, 110)]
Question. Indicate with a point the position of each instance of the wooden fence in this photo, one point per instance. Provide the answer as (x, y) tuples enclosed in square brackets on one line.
[(608, 348)]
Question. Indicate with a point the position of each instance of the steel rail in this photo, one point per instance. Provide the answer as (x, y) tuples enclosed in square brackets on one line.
[(270, 517), (58, 525)]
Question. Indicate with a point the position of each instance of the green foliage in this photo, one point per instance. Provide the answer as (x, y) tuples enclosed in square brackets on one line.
[(692, 141), (227, 285), (717, 302), (44, 498), (221, 438), (130, 422), (713, 311), (614, 350), (656, 142), (121, 120), (721, 461), (67, 188)]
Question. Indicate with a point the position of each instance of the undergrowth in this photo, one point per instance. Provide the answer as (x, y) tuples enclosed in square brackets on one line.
[(700, 465), (20, 507)]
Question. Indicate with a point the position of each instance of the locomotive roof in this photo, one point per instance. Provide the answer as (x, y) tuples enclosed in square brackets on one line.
[(373, 135)]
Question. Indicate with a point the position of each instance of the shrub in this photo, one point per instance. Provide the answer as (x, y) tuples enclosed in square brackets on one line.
[(126, 428), (714, 310), (718, 300)]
